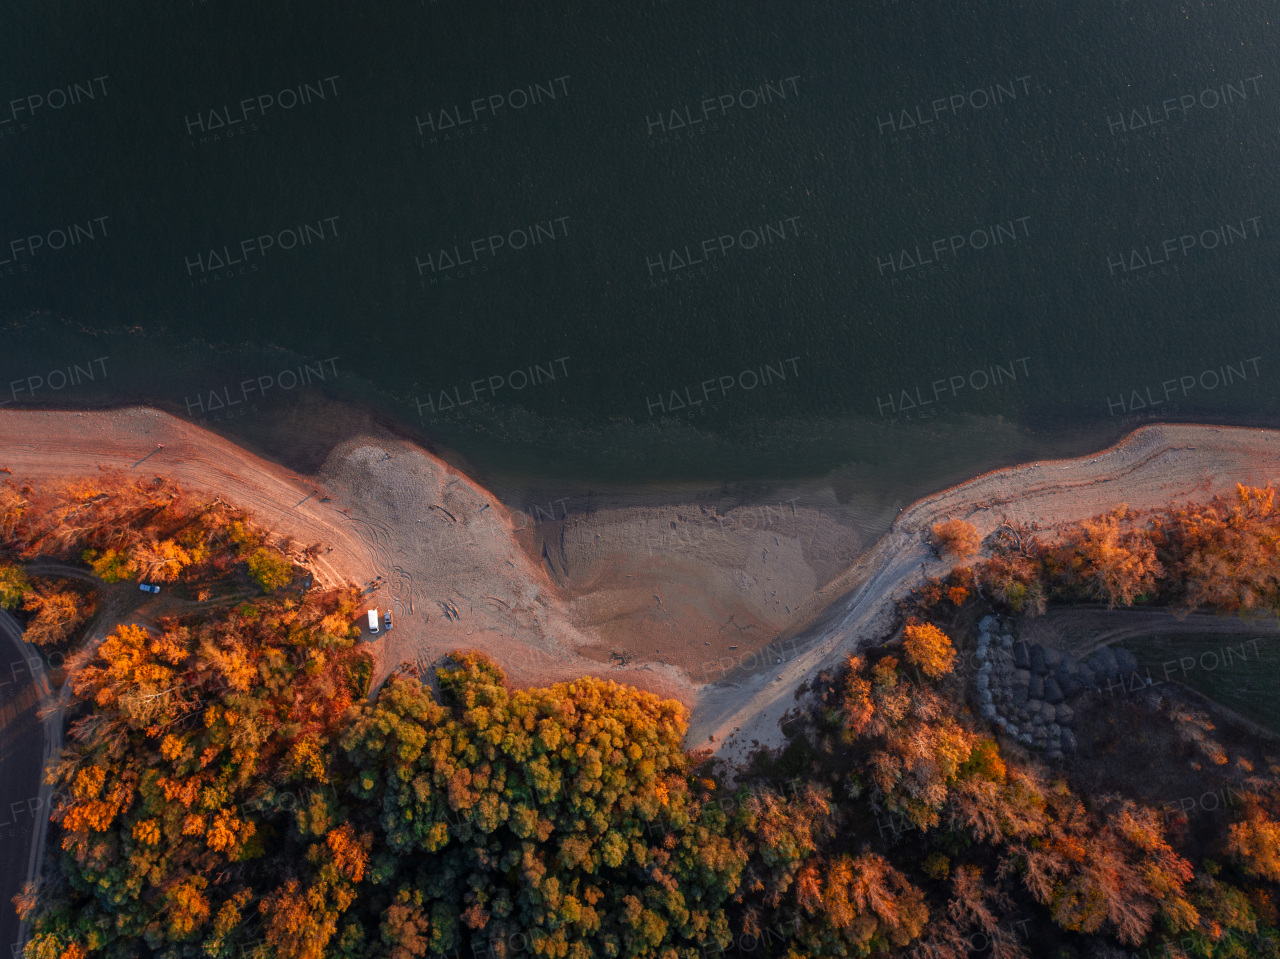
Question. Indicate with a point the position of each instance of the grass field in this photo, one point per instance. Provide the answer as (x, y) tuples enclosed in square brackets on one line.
[(1240, 672)]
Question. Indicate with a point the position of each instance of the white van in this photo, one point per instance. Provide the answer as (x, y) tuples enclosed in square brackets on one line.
[(373, 620)]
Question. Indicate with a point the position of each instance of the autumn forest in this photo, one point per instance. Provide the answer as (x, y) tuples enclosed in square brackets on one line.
[(232, 786)]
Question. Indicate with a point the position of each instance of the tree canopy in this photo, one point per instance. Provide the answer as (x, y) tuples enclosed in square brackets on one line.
[(228, 789), (957, 537)]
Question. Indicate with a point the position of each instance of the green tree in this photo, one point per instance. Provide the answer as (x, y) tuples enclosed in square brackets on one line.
[(269, 571), (13, 585), (562, 815)]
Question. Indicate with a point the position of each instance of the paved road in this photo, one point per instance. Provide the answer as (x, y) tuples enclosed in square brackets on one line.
[(25, 744)]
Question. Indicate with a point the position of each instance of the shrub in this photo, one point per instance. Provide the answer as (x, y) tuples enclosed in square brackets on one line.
[(361, 675), (937, 866)]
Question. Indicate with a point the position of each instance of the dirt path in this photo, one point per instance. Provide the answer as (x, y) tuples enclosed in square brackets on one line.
[(1083, 630), (1215, 708)]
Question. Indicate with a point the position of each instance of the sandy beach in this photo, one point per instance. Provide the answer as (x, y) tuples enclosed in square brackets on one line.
[(725, 605)]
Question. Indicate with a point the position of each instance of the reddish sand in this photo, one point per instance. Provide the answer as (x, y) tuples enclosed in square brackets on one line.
[(450, 567)]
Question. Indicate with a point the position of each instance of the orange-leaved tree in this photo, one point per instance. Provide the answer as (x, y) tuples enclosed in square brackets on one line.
[(929, 648), (1108, 558), (1254, 842), (1225, 554), (971, 907), (57, 609), (859, 903), (916, 749), (786, 833), (168, 803), (1113, 871), (957, 537)]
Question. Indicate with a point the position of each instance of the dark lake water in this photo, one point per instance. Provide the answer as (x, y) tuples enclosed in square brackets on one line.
[(648, 241)]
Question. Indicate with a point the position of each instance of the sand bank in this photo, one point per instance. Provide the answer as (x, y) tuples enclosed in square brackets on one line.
[(696, 600)]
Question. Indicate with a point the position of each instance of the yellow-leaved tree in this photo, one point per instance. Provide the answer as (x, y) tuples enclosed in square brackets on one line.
[(1255, 843), (929, 648)]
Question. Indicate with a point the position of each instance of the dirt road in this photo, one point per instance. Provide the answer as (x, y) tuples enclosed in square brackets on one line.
[(27, 743), (1082, 630)]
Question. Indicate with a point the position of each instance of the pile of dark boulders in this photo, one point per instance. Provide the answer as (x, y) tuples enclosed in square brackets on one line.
[(1023, 688)]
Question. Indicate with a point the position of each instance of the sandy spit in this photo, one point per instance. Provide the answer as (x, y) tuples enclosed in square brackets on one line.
[(693, 600)]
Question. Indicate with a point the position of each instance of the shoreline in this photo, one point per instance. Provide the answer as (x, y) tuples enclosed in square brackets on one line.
[(325, 419), (1127, 471), (663, 596)]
